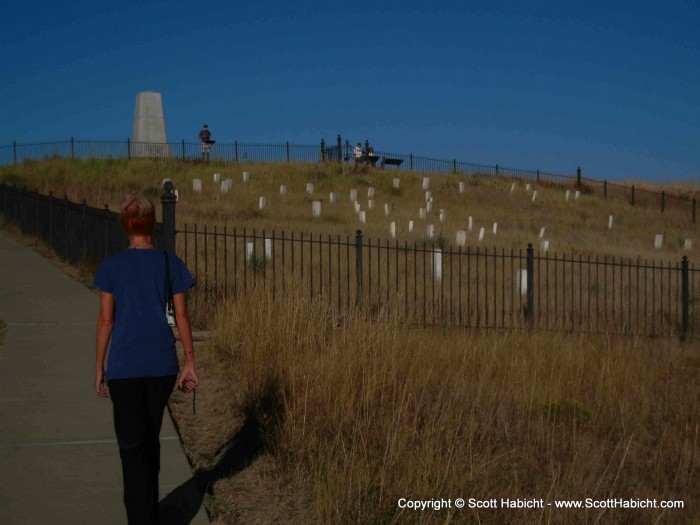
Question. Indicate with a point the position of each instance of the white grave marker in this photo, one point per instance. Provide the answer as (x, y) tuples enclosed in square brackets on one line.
[(512, 187), (443, 215), (410, 225), (428, 196), (421, 213), (217, 177), (397, 183), (471, 223), (541, 232), (177, 195), (481, 234), (577, 195), (426, 183), (249, 251), (528, 187), (567, 195), (534, 195), (461, 237), (357, 207), (332, 197), (246, 176), (224, 186), (353, 195), (544, 245), (309, 188), (658, 241), (283, 190), (370, 204), (437, 264), (688, 244), (370, 193), (610, 220), (263, 203), (430, 231), (363, 217), (461, 187), (316, 208), (429, 206), (495, 228), (197, 185), (268, 248), (387, 209), (392, 229), (521, 281)]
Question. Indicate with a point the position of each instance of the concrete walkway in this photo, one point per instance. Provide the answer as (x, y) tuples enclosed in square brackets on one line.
[(58, 455)]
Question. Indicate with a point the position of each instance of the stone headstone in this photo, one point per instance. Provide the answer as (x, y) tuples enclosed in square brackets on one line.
[(410, 226), (512, 187), (534, 195), (397, 183), (392, 229), (370, 204), (544, 245), (541, 232), (521, 281), (332, 197), (246, 176), (428, 196), (283, 190), (370, 193), (177, 195), (262, 203), (688, 245), (430, 231), (421, 213), (429, 206), (426, 183), (363, 217), (470, 223), (481, 234), (217, 177), (249, 251), (610, 222), (309, 188), (197, 185), (316, 208), (443, 215), (495, 228), (658, 241), (387, 209), (461, 186), (224, 186), (268, 248), (148, 137), (528, 187), (437, 264), (567, 195), (353, 195), (461, 238), (577, 195), (358, 207)]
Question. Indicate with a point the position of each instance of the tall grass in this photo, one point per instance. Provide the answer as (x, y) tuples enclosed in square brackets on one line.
[(363, 414)]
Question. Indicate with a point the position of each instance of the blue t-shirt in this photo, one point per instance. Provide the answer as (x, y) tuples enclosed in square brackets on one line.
[(142, 345)]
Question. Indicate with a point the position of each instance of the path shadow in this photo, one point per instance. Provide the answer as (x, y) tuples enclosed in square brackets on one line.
[(183, 503)]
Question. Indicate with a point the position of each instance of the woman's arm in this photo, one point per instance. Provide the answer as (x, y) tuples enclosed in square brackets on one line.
[(105, 322), (188, 379)]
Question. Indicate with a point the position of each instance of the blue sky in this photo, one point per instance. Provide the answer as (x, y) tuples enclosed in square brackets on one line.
[(611, 86)]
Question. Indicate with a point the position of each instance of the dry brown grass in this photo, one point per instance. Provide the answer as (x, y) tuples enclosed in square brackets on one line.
[(358, 415)]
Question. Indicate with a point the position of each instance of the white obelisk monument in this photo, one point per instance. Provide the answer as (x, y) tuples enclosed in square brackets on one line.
[(148, 138)]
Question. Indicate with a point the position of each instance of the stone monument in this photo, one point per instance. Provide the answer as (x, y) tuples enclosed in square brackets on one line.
[(148, 137)]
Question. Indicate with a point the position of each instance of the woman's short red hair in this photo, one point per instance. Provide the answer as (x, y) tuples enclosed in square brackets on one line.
[(138, 214)]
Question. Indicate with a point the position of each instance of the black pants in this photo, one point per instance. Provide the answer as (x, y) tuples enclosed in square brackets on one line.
[(138, 405)]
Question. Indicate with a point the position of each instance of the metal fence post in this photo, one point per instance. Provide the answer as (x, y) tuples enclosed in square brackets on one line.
[(183, 149), (14, 152), (128, 148), (340, 148), (168, 200), (496, 170), (538, 175), (235, 150), (454, 166), (605, 188), (530, 312), (663, 201), (366, 147), (358, 267), (578, 176), (632, 201), (685, 318), (72, 148), (323, 150), (410, 158)]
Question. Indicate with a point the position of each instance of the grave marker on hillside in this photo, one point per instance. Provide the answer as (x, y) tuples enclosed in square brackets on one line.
[(262, 204), (426, 183), (512, 187), (370, 193), (268, 248), (495, 228), (534, 195), (567, 195), (430, 231), (387, 209), (541, 232), (249, 251), (392, 229), (246, 176), (332, 197), (658, 241), (363, 217), (470, 223), (521, 281), (528, 187), (217, 177), (309, 188), (421, 213), (461, 238), (370, 204), (283, 190), (610, 222), (437, 264), (443, 215), (197, 185), (544, 245), (428, 196), (316, 208), (397, 183), (688, 244), (353, 195), (461, 187), (410, 226), (481, 234)]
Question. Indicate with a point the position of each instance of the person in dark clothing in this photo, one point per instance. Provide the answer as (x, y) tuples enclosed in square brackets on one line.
[(142, 365), (205, 138)]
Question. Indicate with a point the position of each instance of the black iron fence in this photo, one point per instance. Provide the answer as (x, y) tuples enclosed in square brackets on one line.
[(338, 151), (423, 283)]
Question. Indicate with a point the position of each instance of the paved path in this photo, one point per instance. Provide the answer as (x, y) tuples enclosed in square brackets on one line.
[(58, 456)]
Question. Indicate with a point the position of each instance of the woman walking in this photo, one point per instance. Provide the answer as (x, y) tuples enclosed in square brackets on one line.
[(142, 366)]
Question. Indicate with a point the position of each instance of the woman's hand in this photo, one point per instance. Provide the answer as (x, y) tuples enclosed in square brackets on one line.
[(100, 383), (188, 380)]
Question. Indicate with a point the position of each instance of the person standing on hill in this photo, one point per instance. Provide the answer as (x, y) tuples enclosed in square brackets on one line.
[(205, 138), (135, 288)]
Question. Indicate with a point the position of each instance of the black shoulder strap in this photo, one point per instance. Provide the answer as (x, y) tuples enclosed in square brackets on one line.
[(168, 281)]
